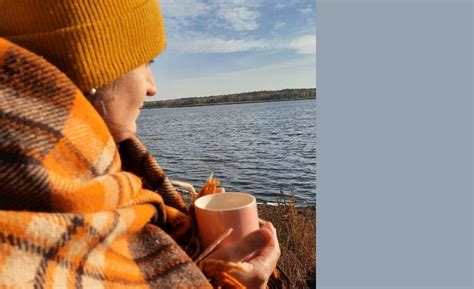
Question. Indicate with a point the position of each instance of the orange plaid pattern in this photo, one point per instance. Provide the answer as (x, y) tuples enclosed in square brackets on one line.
[(70, 217)]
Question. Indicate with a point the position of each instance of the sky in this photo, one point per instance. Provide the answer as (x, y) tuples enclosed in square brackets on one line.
[(229, 46)]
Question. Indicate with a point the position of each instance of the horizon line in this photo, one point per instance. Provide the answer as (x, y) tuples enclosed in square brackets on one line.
[(228, 94)]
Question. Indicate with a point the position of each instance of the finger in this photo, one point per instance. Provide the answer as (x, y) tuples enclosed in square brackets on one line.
[(267, 260), (269, 227), (237, 251), (271, 253)]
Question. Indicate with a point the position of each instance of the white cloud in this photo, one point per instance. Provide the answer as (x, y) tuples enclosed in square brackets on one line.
[(207, 44), (201, 43), (202, 26), (239, 15), (285, 3), (307, 10), (279, 25), (304, 44), (240, 18), (180, 15)]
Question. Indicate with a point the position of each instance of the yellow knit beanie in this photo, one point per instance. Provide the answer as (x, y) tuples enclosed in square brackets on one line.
[(92, 42)]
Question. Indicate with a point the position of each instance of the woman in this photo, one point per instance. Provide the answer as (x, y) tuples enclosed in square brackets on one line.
[(74, 212)]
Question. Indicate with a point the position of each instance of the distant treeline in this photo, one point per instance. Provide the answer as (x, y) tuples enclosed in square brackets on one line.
[(254, 96)]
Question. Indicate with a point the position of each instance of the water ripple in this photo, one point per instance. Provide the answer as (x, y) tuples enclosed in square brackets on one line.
[(261, 148)]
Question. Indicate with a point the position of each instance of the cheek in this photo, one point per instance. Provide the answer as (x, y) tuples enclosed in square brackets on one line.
[(137, 94), (130, 93), (125, 108), (134, 98)]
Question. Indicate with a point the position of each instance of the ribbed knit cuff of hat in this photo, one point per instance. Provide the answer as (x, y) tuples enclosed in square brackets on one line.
[(92, 42)]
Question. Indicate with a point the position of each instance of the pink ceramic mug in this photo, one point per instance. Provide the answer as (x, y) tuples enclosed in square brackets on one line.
[(217, 213)]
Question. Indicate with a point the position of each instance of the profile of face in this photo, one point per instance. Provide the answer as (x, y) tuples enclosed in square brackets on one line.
[(119, 102)]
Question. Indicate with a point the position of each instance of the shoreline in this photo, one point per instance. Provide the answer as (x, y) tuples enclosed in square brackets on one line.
[(224, 103), (296, 205)]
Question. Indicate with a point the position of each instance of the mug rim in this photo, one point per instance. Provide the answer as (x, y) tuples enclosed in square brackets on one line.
[(204, 198)]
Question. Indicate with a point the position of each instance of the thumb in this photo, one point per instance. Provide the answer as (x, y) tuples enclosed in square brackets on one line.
[(237, 251)]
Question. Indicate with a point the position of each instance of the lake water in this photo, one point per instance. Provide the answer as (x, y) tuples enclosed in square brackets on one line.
[(260, 148)]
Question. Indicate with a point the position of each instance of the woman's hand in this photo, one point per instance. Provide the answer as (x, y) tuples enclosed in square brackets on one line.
[(258, 253)]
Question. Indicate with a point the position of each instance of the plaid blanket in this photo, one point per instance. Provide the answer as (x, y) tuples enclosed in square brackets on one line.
[(70, 215)]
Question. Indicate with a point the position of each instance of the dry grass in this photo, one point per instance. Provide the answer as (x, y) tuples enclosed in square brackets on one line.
[(296, 227)]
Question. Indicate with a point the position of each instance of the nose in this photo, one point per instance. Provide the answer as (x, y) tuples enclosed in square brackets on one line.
[(151, 85)]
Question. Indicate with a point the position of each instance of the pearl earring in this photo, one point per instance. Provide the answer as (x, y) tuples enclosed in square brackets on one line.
[(93, 91)]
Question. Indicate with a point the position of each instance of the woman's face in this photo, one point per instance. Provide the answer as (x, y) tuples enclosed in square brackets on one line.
[(119, 101)]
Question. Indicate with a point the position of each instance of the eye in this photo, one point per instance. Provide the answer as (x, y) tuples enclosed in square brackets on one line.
[(151, 61)]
